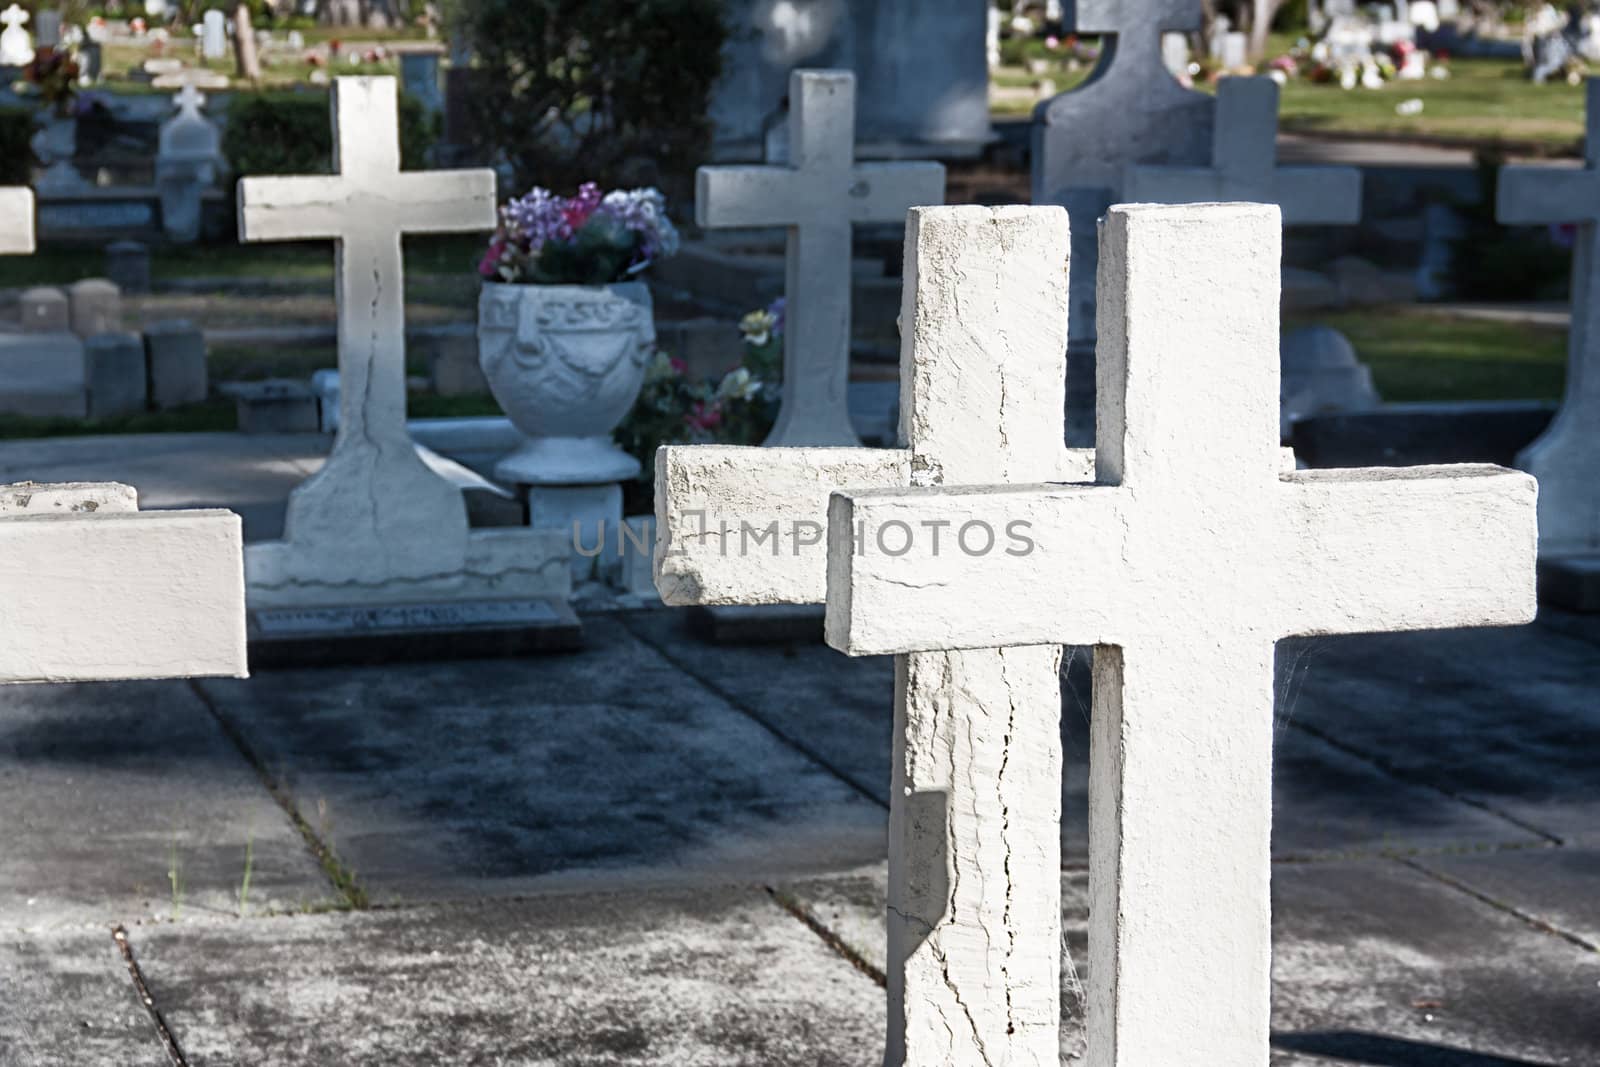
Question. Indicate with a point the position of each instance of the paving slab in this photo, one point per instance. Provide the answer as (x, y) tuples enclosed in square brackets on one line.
[(696, 978), (493, 777), (1556, 886), (1506, 719), (69, 1000), (246, 473), (1374, 962), (112, 790), (1327, 800)]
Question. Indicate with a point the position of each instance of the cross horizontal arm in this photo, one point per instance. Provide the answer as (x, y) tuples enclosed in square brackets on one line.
[(747, 196), (16, 221), (884, 192), (925, 569), (121, 594), (715, 503), (1408, 548), (1539, 195), (293, 209), (324, 207), (1309, 196)]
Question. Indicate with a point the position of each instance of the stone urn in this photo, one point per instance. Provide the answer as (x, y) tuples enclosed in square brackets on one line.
[(566, 362)]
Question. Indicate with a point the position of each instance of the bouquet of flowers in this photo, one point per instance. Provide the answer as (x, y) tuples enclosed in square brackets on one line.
[(54, 72), (738, 408), (592, 238)]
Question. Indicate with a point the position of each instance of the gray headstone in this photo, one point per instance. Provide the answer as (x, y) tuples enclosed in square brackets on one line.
[(176, 355), (114, 372), (128, 266), (42, 374), (45, 310), (419, 74), (47, 28), (214, 39), (456, 370), (96, 307), (277, 406), (1322, 375)]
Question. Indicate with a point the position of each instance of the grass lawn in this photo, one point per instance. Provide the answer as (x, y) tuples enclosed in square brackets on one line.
[(1484, 102), (1416, 354)]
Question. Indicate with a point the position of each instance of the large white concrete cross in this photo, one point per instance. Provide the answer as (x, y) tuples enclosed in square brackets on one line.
[(374, 513), (1191, 556), (1244, 166), (96, 590), (1566, 459), (818, 195), (974, 864)]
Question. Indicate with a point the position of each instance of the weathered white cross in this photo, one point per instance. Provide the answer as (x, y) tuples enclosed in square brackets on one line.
[(1244, 166), (1566, 460), (1191, 556), (375, 513), (974, 869), (97, 590), (818, 195)]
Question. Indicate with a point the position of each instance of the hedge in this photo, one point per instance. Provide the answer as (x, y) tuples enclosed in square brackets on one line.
[(290, 133)]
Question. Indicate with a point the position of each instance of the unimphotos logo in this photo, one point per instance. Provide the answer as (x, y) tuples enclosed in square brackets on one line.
[(894, 538)]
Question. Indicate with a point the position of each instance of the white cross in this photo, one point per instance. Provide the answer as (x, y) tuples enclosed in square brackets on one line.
[(1191, 556), (1243, 166), (96, 589), (13, 17), (818, 196), (974, 953), (1566, 460), (189, 99), (374, 513)]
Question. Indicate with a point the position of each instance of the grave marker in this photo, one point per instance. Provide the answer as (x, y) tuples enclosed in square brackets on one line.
[(1184, 564), (96, 589), (1244, 166), (375, 523), (982, 400), (1566, 460), (818, 195), (1132, 111)]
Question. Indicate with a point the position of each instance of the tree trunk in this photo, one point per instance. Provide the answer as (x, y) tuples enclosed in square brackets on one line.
[(244, 44), (1261, 16)]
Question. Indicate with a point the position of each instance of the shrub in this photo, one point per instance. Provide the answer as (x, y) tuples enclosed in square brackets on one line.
[(611, 91), (16, 157), (289, 133), (1495, 262)]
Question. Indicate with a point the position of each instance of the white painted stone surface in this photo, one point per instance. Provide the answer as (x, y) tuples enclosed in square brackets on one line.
[(819, 194), (1191, 556), (97, 590), (16, 44), (1566, 460), (1244, 166), (1132, 112), (974, 838), (375, 524), (16, 220)]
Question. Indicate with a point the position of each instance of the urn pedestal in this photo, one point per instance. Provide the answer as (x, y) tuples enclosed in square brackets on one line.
[(566, 362)]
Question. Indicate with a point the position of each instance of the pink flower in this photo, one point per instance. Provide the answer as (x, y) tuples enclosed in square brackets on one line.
[(679, 366), (704, 417), (489, 266), (1052, 42)]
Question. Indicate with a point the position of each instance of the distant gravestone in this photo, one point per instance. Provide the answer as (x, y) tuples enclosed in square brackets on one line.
[(1235, 50), (1244, 168), (115, 375), (96, 589), (419, 75), (819, 195), (1132, 112), (44, 310), (983, 401), (214, 35), (1322, 375), (188, 162), (96, 307), (47, 28), (175, 355), (16, 46), (1190, 555), (375, 523), (1567, 458), (128, 266)]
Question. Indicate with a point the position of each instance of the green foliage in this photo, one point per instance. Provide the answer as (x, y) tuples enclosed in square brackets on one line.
[(1493, 262), (290, 133), (16, 158), (611, 91)]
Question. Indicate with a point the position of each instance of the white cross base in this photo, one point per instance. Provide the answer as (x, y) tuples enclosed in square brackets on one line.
[(1243, 166), (1187, 560), (819, 195), (97, 590), (1566, 459)]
